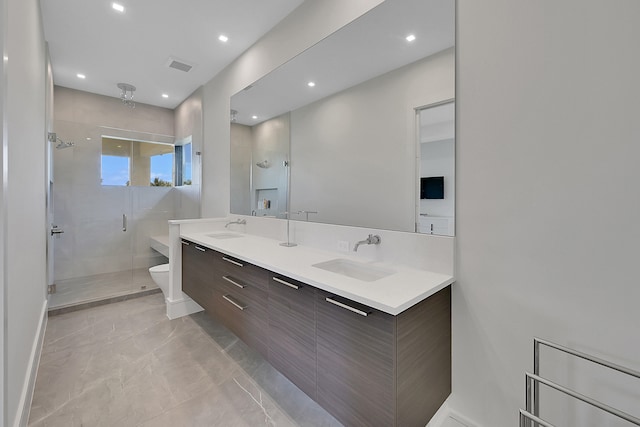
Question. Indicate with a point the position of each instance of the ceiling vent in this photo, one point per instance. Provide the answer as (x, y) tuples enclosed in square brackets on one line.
[(179, 64)]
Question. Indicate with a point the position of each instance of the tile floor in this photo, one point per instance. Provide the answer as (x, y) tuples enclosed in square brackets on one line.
[(101, 286), (127, 364)]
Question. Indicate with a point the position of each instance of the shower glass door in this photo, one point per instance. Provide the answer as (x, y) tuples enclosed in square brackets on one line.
[(108, 211)]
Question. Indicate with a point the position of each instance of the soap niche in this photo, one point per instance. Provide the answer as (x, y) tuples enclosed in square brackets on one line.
[(266, 202)]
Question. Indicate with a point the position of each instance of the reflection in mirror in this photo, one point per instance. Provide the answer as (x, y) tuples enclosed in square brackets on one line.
[(353, 134), (259, 168), (436, 169)]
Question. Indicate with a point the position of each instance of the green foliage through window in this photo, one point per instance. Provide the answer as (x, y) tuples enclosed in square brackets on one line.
[(157, 182)]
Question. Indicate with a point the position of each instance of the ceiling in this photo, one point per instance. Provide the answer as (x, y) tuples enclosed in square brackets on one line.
[(89, 37)]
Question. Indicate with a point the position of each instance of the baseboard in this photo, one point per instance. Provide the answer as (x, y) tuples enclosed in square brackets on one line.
[(462, 419), (182, 307), (448, 417), (26, 396)]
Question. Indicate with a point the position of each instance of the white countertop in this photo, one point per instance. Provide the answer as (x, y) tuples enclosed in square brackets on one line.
[(392, 294)]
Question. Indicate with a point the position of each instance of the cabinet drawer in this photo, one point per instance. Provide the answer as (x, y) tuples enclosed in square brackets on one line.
[(242, 270), (356, 360), (292, 331), (251, 295), (243, 311)]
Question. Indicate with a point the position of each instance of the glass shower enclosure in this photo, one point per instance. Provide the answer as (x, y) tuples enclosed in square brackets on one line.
[(112, 191)]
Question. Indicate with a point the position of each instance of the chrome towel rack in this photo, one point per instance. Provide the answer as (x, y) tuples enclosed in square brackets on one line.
[(530, 417)]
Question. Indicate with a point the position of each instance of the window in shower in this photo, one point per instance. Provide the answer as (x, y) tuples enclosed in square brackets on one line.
[(116, 162), (186, 164), (160, 163), (183, 164), (137, 163)]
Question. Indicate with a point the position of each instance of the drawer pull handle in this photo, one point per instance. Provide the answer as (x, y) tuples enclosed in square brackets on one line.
[(232, 261), (200, 249), (228, 298), (184, 242), (228, 279), (291, 285), (347, 307)]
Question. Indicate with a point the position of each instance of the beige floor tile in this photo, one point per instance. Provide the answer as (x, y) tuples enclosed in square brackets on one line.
[(127, 364)]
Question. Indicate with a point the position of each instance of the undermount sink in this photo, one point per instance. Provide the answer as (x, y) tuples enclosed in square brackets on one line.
[(353, 269), (224, 235)]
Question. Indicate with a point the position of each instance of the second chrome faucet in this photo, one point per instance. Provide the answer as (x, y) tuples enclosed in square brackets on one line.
[(237, 221), (371, 240)]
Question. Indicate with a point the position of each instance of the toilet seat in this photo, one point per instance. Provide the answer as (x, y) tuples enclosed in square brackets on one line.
[(162, 268)]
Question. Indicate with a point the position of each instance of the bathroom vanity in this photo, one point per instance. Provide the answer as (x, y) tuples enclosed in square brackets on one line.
[(373, 351)]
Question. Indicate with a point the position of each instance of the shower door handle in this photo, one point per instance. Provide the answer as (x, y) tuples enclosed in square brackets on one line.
[(124, 222), (56, 230)]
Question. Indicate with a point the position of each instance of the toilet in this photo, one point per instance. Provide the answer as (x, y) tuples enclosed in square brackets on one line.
[(160, 275)]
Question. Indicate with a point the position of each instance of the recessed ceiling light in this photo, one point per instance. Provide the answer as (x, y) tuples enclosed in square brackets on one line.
[(164, 95), (223, 38), (88, 139), (254, 117), (311, 84), (5, 57), (81, 76), (410, 38), (118, 7)]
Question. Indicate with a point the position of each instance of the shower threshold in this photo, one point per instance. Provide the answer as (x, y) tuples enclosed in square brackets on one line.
[(84, 292)]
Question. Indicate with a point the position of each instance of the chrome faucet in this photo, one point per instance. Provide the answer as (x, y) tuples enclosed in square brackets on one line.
[(237, 221), (371, 240)]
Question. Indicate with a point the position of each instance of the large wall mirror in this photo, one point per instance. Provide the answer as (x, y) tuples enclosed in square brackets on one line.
[(333, 135)]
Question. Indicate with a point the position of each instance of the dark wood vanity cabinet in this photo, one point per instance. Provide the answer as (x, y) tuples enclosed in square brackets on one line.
[(232, 291), (375, 369), (197, 281), (356, 356), (240, 299), (292, 331), (364, 366)]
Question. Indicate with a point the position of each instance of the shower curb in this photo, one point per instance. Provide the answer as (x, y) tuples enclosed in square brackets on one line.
[(84, 305)]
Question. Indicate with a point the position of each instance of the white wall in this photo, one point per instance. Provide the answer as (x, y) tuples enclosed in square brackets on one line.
[(188, 122), (548, 211), (353, 153), (240, 160), (25, 220), (305, 26), (3, 211)]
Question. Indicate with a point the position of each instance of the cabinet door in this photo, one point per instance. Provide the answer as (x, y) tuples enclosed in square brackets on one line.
[(356, 359), (423, 358), (197, 274), (292, 331)]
